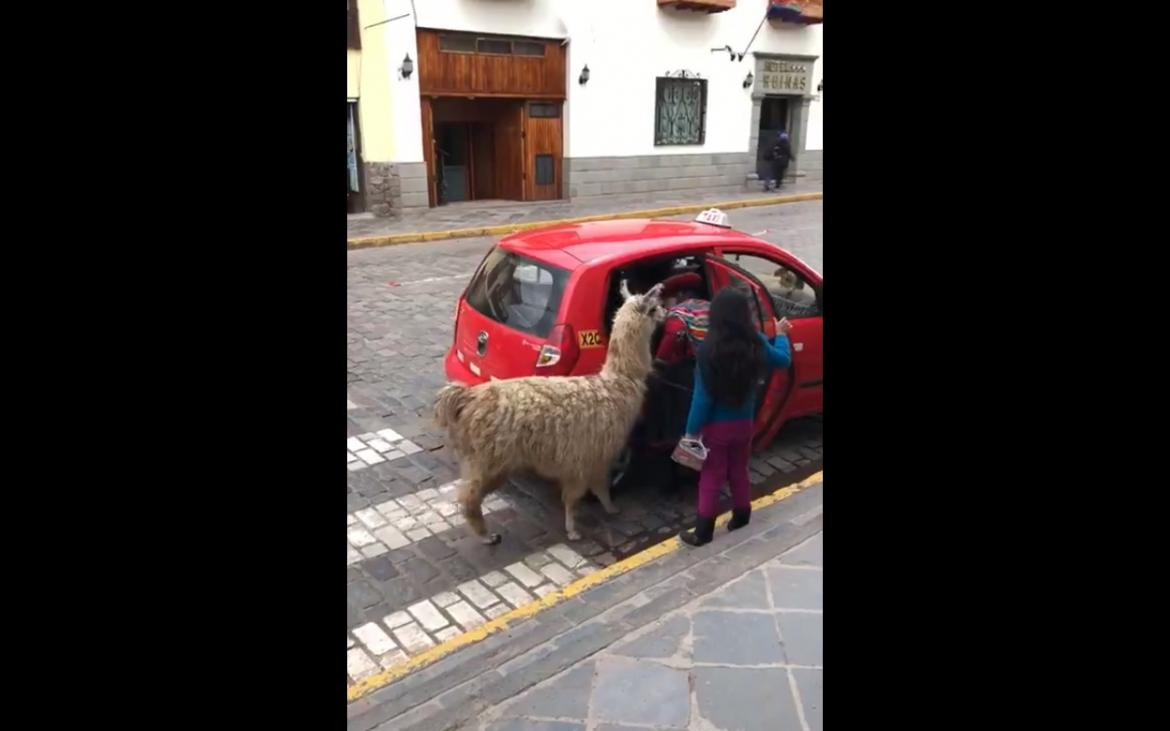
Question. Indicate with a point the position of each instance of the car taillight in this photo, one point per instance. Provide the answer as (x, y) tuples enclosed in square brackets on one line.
[(558, 356)]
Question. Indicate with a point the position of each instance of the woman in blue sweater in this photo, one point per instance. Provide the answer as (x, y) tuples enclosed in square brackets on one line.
[(731, 361)]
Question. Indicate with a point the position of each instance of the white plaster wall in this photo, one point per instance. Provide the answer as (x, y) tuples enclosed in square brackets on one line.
[(627, 45), (814, 139), (406, 110), (508, 17)]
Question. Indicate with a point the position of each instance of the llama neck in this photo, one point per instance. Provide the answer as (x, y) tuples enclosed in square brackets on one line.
[(635, 366), (629, 345), (624, 370)]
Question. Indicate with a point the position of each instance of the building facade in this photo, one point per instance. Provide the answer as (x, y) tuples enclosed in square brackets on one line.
[(453, 100)]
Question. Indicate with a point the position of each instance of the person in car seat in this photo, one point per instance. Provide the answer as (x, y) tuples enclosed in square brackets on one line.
[(668, 394), (686, 318)]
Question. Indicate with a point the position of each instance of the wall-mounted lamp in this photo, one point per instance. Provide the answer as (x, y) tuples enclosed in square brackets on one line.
[(725, 48), (747, 81), (584, 77), (407, 67), (821, 86)]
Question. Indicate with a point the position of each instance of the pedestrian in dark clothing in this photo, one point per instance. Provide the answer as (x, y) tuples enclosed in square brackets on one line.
[(731, 361), (779, 155)]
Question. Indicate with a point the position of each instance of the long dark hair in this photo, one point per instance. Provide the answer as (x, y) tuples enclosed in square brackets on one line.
[(731, 358)]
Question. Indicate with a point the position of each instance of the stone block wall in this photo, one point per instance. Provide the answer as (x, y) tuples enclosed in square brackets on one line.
[(811, 163), (710, 172), (393, 188)]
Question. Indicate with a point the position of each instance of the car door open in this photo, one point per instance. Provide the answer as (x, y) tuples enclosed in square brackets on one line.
[(723, 273)]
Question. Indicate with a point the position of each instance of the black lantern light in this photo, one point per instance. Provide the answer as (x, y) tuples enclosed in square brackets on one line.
[(584, 77), (821, 86), (407, 67), (747, 81), (725, 48)]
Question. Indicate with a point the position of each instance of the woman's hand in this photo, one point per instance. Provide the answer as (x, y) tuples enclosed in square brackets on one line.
[(783, 326)]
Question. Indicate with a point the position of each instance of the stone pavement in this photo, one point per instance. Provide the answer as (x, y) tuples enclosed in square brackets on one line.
[(748, 655), (727, 636), (472, 214), (415, 577)]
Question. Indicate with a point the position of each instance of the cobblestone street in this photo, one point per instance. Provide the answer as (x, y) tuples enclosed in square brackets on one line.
[(415, 576)]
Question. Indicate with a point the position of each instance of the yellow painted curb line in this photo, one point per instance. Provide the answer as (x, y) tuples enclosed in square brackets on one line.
[(365, 242), (583, 584)]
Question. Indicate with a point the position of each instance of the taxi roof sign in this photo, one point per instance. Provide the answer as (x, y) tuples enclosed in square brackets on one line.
[(714, 217)]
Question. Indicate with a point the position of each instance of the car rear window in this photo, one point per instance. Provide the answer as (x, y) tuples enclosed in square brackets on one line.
[(519, 292)]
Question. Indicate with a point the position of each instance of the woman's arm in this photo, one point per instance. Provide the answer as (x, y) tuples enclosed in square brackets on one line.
[(700, 406), (777, 353)]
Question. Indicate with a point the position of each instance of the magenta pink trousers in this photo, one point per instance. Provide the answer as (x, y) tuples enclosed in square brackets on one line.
[(729, 446)]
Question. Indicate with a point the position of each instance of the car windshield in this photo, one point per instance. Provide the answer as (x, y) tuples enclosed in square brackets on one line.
[(518, 292)]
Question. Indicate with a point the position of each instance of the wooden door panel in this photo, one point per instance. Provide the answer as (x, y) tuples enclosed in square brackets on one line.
[(509, 152), (543, 138), (428, 130), (442, 73)]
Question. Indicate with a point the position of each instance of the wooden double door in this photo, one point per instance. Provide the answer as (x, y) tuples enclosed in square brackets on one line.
[(483, 149)]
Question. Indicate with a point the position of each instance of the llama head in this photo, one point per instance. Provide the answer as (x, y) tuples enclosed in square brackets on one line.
[(633, 325), (649, 304)]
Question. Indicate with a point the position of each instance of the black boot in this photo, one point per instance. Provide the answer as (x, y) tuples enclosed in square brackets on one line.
[(739, 517), (704, 527)]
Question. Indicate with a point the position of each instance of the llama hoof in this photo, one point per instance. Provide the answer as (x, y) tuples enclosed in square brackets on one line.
[(574, 535), (491, 539)]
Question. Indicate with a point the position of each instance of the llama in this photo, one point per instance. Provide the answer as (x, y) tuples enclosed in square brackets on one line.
[(567, 429)]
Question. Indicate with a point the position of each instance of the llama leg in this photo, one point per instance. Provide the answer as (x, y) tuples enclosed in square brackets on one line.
[(571, 492), (472, 491), (600, 487)]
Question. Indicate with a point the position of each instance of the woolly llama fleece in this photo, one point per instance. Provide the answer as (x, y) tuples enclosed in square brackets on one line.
[(566, 429)]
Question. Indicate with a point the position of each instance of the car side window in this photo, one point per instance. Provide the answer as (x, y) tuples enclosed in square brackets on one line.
[(792, 296), (613, 300), (644, 274)]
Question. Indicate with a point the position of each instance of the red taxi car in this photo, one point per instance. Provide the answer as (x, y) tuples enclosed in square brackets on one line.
[(541, 302)]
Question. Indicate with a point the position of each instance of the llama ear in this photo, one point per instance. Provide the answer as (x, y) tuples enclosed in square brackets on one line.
[(624, 289), (653, 298)]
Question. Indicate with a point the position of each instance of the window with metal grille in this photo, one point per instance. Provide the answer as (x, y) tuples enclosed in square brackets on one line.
[(457, 44), (527, 48), (494, 45), (544, 109), (680, 111), (545, 170)]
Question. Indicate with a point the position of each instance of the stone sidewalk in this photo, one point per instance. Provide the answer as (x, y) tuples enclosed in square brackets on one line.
[(472, 214), (725, 636), (748, 655)]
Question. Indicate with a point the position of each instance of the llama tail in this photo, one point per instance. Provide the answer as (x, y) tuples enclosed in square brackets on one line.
[(451, 401)]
